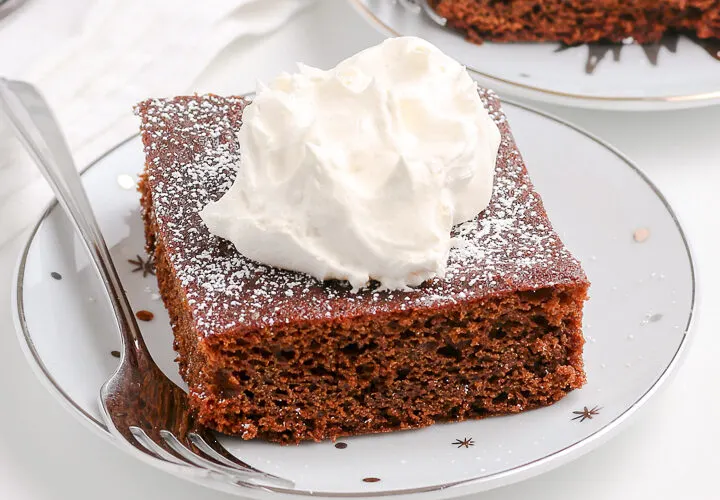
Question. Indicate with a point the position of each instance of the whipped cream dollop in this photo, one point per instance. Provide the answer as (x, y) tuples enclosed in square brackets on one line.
[(360, 172)]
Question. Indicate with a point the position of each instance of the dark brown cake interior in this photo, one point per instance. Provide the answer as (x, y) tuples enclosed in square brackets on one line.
[(580, 21), (277, 354)]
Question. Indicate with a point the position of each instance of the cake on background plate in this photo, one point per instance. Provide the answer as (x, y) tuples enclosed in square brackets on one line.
[(579, 21), (280, 355)]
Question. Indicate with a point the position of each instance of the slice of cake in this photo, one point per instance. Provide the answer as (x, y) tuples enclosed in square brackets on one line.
[(403, 272), (281, 356), (579, 21)]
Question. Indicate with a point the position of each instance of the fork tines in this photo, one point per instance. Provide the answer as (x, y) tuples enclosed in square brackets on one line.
[(420, 6)]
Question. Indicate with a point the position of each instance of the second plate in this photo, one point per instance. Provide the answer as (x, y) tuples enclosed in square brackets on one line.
[(613, 77)]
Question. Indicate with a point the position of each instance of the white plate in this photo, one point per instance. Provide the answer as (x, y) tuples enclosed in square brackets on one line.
[(650, 78), (636, 326)]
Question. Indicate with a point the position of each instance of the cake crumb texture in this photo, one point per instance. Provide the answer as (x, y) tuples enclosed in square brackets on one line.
[(579, 21)]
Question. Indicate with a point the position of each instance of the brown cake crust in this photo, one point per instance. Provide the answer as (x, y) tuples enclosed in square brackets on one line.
[(278, 355), (579, 21)]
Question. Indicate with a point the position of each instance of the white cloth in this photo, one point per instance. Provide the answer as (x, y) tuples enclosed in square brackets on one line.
[(128, 50), (120, 52)]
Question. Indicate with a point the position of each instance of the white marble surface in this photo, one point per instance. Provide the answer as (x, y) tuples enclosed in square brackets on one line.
[(669, 453)]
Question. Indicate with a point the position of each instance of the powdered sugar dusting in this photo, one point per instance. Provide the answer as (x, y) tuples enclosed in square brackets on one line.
[(192, 154)]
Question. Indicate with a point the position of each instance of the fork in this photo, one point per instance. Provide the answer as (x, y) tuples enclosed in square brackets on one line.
[(141, 406), (420, 6), (8, 6)]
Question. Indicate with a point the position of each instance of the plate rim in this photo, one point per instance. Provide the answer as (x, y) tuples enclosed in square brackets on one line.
[(559, 97), (518, 473)]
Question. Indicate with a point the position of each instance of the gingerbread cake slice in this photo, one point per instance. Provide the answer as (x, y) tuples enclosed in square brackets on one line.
[(580, 21), (279, 355)]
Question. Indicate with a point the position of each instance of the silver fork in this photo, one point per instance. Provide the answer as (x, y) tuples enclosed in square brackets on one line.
[(141, 406), (8, 6), (420, 6)]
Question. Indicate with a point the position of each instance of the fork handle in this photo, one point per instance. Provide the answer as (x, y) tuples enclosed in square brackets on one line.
[(35, 126)]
